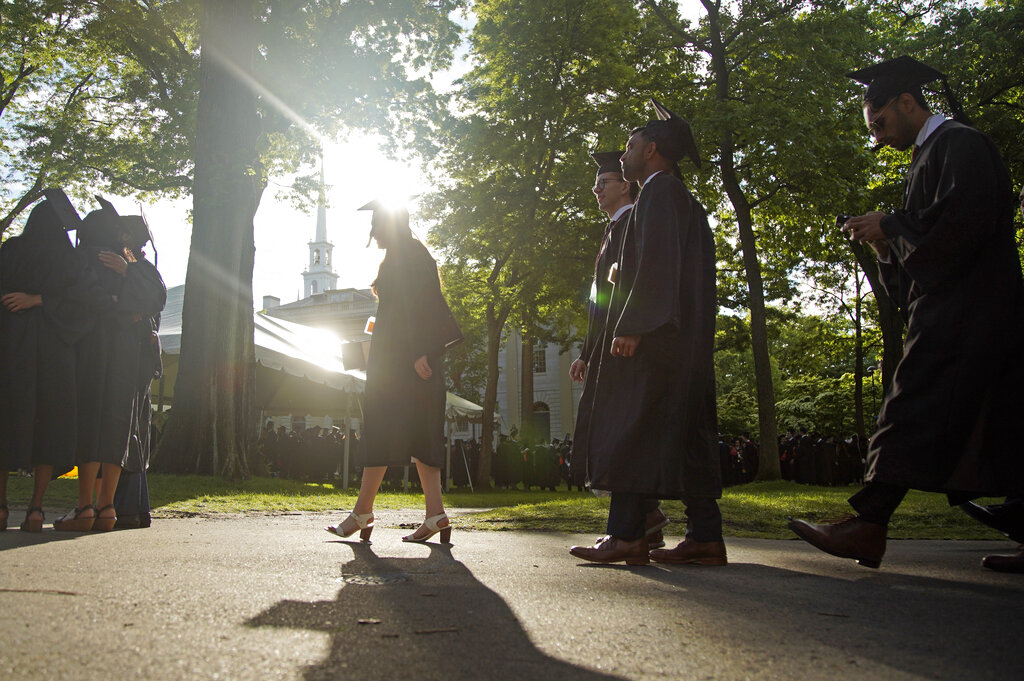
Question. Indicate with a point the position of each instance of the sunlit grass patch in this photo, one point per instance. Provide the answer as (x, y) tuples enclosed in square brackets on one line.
[(752, 510)]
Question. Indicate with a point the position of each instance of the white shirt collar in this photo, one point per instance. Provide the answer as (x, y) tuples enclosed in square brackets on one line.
[(933, 122), (621, 211), (650, 176)]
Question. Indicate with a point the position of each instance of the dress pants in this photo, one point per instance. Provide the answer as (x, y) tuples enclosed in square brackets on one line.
[(628, 509), (877, 501)]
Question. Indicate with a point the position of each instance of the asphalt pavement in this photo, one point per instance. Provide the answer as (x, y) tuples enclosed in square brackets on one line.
[(275, 597)]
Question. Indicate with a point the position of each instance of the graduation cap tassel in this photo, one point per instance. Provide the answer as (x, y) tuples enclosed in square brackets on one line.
[(954, 104)]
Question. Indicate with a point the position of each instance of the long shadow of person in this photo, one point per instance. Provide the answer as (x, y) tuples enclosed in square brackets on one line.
[(420, 618), (922, 625)]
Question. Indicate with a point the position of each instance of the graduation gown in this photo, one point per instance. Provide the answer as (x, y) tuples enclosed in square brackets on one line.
[(116, 362), (653, 422), (951, 421), (403, 415), (595, 341), (37, 346)]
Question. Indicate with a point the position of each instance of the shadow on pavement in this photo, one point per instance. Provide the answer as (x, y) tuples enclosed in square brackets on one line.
[(928, 627), (419, 618), (14, 538)]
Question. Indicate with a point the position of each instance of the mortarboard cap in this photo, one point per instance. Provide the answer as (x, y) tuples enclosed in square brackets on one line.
[(100, 227), (893, 77), (66, 213), (672, 134), (905, 71), (395, 214), (105, 205), (138, 228), (608, 161)]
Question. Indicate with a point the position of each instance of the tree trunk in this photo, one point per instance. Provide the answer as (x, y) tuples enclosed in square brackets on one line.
[(213, 421), (889, 318), (858, 363), (526, 427), (495, 323), (768, 428)]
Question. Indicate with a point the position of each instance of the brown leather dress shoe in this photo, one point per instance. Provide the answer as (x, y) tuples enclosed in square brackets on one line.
[(852, 538), (1013, 563), (690, 552), (613, 550)]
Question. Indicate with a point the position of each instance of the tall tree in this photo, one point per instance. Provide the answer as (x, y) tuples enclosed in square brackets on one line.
[(766, 114), (516, 221), (94, 97), (276, 75)]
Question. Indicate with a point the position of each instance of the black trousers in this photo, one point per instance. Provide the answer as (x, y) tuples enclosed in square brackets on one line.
[(627, 511), (877, 501)]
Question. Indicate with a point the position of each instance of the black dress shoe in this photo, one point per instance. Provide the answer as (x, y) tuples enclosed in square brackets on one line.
[(1007, 518), (1013, 563), (852, 538)]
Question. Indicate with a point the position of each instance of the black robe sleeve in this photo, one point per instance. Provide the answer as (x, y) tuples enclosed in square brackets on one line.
[(143, 292), (653, 300), (937, 237)]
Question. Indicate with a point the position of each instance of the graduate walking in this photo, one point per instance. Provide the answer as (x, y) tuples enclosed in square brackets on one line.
[(652, 431), (949, 260), (404, 402)]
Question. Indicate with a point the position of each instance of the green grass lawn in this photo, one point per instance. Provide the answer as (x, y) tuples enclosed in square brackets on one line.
[(753, 510)]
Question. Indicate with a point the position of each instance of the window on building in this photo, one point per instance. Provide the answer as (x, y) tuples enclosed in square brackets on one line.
[(312, 287), (316, 256), (540, 359), (327, 258)]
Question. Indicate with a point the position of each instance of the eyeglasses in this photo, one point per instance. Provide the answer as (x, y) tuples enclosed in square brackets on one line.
[(875, 126), (599, 185)]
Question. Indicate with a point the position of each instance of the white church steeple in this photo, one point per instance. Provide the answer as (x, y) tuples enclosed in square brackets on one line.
[(319, 275)]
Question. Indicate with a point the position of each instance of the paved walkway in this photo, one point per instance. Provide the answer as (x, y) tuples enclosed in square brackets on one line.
[(275, 597)]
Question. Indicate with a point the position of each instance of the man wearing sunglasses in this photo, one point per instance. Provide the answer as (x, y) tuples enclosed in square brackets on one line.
[(615, 197), (949, 260)]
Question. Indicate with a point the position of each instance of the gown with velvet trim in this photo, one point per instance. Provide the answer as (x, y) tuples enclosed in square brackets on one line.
[(951, 421), (653, 420)]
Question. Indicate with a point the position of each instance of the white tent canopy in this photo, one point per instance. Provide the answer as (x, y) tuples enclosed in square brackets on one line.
[(283, 349)]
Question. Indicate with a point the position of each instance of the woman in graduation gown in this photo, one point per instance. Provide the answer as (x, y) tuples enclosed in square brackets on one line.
[(143, 291), (46, 305), (110, 360), (404, 402)]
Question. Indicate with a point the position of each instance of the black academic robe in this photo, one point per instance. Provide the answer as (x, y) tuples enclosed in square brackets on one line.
[(595, 341), (403, 415), (653, 422), (116, 362), (951, 420), (37, 347)]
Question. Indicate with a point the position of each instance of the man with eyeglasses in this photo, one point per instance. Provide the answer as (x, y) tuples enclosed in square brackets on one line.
[(615, 198), (949, 260), (652, 430)]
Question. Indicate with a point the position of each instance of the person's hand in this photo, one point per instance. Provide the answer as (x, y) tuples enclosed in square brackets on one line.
[(423, 368), (113, 261), (578, 370), (19, 302), (625, 346), (867, 227)]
